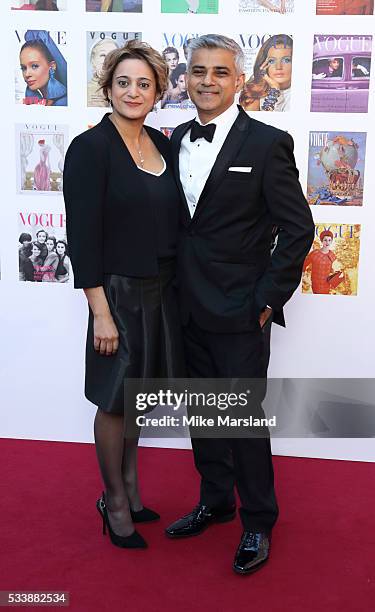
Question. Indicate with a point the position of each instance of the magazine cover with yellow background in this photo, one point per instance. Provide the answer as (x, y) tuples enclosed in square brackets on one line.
[(331, 267)]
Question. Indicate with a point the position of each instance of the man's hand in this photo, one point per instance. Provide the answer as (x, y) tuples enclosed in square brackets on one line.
[(264, 316)]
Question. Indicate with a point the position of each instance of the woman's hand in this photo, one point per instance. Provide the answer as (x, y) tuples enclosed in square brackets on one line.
[(106, 337), (263, 69)]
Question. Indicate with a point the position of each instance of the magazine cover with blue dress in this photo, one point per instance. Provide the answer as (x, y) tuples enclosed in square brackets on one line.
[(41, 70)]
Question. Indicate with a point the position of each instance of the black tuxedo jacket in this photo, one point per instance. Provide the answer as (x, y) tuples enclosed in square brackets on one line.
[(226, 274)]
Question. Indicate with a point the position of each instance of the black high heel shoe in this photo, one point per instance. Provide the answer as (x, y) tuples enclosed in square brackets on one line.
[(134, 540), (146, 515)]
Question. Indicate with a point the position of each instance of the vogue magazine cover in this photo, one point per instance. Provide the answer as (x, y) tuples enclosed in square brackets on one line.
[(43, 254), (282, 7), (190, 6), (336, 168), (39, 5), (344, 7), (341, 72), (41, 68), (114, 6), (269, 61), (40, 152), (331, 267), (99, 44), (174, 50)]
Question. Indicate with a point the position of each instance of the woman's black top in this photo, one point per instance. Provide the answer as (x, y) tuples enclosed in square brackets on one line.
[(61, 270), (120, 219), (160, 191)]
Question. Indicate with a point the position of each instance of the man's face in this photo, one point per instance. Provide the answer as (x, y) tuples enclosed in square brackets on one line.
[(335, 64), (213, 81), (172, 60)]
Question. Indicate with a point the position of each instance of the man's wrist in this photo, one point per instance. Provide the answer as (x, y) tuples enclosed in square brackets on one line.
[(267, 306)]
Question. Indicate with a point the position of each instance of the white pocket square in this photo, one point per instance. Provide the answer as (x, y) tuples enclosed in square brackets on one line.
[(240, 169)]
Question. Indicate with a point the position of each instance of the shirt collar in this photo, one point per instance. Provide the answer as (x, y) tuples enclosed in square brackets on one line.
[(224, 121)]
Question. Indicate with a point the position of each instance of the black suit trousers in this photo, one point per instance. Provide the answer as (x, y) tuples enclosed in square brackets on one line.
[(226, 463)]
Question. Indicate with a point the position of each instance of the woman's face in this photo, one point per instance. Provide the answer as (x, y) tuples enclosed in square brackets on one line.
[(60, 248), (326, 242), (35, 68), (41, 237), (101, 51), (35, 251), (181, 82), (50, 245), (133, 89), (279, 65)]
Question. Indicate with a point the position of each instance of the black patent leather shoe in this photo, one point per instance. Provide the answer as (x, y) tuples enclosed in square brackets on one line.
[(252, 552), (198, 520)]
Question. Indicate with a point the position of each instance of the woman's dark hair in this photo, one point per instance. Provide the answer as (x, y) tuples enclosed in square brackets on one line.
[(256, 87), (176, 73), (65, 245), (46, 5), (24, 237), (37, 244), (40, 46)]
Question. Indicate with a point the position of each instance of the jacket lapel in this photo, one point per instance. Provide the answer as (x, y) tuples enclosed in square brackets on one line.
[(230, 148), (176, 144)]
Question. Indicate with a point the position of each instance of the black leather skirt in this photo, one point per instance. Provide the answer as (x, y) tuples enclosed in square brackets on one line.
[(145, 311)]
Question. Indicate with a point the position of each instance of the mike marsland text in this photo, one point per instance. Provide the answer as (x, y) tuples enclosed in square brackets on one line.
[(200, 421)]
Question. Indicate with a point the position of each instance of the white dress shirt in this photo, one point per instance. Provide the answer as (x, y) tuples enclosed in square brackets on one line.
[(197, 158)]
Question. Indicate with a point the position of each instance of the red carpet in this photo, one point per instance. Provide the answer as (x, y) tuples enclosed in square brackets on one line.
[(323, 553)]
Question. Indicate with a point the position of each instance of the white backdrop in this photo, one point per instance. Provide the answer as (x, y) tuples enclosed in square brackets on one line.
[(43, 325)]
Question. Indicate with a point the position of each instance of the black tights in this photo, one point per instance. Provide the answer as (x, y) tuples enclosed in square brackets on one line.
[(117, 457)]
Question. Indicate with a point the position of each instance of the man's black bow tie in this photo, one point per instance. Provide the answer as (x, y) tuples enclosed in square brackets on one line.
[(202, 131)]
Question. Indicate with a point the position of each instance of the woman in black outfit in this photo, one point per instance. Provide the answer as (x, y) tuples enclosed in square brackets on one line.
[(122, 219), (62, 270)]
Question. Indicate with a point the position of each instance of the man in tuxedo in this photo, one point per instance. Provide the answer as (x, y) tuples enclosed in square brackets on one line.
[(238, 180)]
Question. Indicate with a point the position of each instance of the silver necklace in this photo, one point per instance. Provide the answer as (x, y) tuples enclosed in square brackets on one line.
[(139, 148), (141, 158)]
